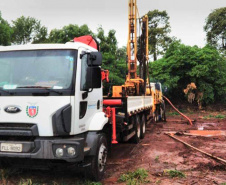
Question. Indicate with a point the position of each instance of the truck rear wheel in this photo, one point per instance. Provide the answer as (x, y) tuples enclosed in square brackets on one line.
[(156, 114), (163, 111), (137, 126), (98, 162), (143, 126)]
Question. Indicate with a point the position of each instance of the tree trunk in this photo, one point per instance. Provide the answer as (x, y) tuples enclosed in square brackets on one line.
[(155, 56)]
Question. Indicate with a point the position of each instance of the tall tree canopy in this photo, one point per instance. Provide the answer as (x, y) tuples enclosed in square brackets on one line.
[(183, 64), (5, 32), (114, 58), (68, 32), (41, 35), (159, 29), (215, 28), (28, 29)]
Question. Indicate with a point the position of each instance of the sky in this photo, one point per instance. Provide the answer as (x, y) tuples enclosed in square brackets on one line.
[(187, 17)]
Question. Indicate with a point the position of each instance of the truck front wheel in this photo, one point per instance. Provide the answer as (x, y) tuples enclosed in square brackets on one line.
[(98, 162)]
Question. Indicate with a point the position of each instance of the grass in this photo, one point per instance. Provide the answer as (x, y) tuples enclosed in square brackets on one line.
[(173, 113), (174, 173), (157, 159), (158, 182), (26, 182), (92, 183), (219, 116), (135, 178)]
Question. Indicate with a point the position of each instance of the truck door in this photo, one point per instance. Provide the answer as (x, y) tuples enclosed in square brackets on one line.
[(85, 106)]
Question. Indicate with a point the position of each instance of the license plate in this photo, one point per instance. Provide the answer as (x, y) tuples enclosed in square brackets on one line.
[(11, 147)]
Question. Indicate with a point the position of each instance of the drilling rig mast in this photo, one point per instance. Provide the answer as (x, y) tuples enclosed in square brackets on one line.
[(135, 84)]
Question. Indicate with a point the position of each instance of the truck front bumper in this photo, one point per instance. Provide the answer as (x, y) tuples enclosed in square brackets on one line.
[(45, 148)]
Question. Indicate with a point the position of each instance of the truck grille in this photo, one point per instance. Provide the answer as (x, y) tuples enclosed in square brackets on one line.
[(18, 129)]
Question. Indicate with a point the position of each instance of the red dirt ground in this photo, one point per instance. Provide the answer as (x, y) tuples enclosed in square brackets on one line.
[(158, 152)]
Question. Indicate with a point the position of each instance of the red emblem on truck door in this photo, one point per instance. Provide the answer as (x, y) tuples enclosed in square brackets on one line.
[(32, 111)]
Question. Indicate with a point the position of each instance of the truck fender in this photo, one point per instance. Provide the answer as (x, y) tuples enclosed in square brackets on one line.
[(92, 139), (98, 122)]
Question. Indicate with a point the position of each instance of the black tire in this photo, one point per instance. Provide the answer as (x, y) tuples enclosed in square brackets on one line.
[(157, 114), (95, 171), (143, 126), (163, 111), (136, 137), (153, 117)]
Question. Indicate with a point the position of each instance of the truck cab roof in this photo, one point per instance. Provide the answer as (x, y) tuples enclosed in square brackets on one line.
[(68, 45)]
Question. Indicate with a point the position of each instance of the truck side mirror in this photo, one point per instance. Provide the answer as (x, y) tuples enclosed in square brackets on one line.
[(93, 78), (94, 59)]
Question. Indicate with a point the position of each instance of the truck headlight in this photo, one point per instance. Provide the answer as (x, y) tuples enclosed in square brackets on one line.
[(71, 151), (59, 152)]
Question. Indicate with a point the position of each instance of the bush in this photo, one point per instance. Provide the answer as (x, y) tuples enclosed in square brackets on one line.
[(182, 64)]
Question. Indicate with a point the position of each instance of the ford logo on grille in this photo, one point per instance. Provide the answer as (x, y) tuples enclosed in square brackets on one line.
[(12, 109)]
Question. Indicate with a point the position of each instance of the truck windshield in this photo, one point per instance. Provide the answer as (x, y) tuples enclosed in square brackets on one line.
[(49, 69)]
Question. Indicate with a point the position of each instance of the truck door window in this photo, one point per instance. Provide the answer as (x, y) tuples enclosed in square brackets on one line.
[(83, 72)]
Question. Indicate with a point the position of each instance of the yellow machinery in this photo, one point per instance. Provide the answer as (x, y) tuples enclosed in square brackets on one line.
[(135, 85), (137, 53)]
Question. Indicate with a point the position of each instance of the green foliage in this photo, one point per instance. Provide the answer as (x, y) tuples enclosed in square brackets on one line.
[(86, 182), (92, 183), (219, 116), (135, 178), (173, 113), (5, 32), (114, 58), (28, 29), (41, 35), (159, 28), (215, 28), (175, 173), (68, 33), (157, 158), (158, 182), (183, 64)]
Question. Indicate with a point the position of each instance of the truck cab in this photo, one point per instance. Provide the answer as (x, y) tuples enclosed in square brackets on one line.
[(51, 103)]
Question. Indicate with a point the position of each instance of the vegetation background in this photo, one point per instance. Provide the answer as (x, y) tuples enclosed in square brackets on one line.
[(174, 64)]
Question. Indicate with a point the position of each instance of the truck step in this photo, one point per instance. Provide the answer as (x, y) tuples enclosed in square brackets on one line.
[(126, 138)]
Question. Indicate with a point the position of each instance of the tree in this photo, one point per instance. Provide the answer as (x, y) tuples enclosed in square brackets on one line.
[(41, 35), (28, 29), (68, 33), (183, 64), (5, 32), (215, 28), (114, 58), (159, 28)]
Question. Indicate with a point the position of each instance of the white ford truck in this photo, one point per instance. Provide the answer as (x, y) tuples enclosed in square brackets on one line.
[(52, 106)]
